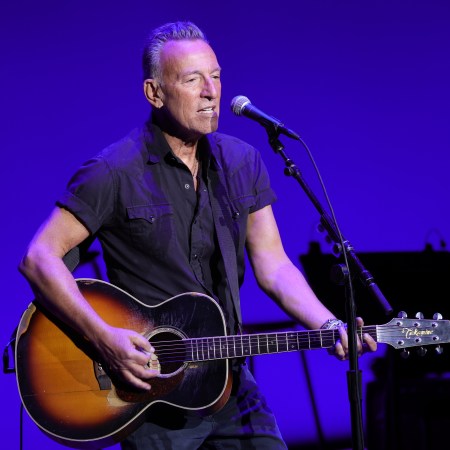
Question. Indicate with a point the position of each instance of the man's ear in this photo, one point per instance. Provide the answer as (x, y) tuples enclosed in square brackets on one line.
[(152, 92)]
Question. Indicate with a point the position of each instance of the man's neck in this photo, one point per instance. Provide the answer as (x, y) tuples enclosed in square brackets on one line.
[(185, 150)]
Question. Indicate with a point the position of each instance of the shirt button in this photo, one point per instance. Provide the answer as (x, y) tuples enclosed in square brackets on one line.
[(187, 186), (195, 256)]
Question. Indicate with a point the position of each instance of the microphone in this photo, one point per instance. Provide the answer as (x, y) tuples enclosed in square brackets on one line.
[(242, 106)]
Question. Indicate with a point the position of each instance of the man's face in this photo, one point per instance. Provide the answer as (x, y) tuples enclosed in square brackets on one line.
[(190, 88)]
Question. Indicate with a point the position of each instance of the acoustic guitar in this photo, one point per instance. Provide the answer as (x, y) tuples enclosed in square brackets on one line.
[(70, 395)]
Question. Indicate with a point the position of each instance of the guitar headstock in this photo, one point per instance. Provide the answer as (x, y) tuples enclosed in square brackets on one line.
[(402, 333)]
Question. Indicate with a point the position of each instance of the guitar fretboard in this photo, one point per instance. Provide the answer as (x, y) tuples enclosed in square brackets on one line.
[(202, 349)]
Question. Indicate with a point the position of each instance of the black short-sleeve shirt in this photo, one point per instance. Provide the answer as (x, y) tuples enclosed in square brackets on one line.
[(157, 233)]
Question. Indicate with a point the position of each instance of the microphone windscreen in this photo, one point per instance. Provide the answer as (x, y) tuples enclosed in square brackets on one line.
[(238, 103)]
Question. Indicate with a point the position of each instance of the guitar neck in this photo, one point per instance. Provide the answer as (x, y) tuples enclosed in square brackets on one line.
[(224, 347)]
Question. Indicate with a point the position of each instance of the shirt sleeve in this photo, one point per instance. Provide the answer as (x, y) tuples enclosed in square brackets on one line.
[(264, 194), (90, 194)]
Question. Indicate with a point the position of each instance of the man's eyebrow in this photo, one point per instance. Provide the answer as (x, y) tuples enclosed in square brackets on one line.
[(198, 72)]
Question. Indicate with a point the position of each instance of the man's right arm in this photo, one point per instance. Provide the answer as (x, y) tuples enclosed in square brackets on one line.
[(125, 351)]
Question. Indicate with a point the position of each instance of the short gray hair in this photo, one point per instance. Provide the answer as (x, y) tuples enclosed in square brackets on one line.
[(174, 31)]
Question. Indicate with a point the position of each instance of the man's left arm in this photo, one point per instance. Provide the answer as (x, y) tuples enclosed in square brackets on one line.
[(279, 278)]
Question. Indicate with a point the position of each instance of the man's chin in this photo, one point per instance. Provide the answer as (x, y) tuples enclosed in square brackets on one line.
[(213, 125)]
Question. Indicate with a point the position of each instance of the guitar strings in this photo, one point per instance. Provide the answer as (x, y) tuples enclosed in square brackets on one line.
[(224, 347), (197, 348)]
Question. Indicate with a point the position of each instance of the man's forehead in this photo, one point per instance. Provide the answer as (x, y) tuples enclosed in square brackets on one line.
[(187, 54)]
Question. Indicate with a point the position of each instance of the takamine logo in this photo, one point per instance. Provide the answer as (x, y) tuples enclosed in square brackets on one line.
[(413, 332)]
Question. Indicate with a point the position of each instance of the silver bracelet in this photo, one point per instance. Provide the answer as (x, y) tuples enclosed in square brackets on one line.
[(332, 324)]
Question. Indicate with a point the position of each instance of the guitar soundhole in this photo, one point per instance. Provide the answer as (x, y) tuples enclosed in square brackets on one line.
[(170, 350)]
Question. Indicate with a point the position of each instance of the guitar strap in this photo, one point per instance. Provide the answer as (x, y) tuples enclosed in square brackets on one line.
[(72, 259), (223, 223)]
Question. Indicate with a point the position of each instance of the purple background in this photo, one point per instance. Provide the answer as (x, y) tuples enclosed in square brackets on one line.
[(366, 84)]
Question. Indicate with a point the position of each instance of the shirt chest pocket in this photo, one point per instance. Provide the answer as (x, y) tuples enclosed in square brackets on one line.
[(151, 227)]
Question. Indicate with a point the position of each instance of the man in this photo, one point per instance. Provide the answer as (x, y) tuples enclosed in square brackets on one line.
[(174, 204)]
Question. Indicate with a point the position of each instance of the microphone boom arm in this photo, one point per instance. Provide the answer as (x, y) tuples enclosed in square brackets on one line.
[(328, 224)]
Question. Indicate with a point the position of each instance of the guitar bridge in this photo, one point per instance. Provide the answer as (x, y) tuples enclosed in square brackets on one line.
[(103, 380)]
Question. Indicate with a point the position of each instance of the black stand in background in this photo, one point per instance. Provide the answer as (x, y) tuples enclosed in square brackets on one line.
[(406, 405)]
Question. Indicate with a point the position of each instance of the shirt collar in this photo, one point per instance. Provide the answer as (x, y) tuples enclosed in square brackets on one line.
[(155, 142), (158, 147)]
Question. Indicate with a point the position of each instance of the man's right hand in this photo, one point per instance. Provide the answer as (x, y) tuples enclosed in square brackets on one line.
[(129, 356)]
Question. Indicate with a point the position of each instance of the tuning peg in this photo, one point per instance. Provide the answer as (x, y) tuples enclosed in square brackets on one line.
[(336, 249), (419, 315), (402, 315), (405, 353), (437, 316), (439, 350), (422, 351)]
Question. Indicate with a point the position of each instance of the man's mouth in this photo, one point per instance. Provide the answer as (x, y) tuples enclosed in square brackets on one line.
[(208, 110)]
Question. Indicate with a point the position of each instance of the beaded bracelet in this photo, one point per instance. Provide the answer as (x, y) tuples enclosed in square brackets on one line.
[(332, 324)]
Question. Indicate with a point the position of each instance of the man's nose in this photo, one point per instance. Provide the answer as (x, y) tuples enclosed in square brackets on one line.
[(209, 88)]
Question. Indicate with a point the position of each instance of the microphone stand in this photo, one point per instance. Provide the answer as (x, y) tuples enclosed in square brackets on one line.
[(353, 374)]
